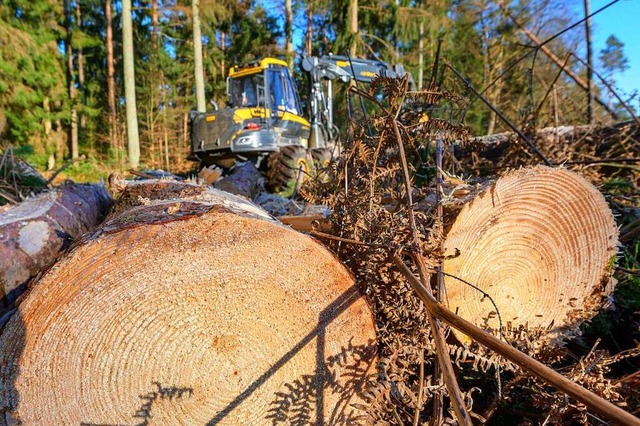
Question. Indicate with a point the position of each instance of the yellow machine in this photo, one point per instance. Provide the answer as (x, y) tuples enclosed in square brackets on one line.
[(264, 119)]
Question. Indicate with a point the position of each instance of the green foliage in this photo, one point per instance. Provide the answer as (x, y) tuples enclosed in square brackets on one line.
[(612, 56), (477, 39), (28, 154), (88, 171), (30, 73)]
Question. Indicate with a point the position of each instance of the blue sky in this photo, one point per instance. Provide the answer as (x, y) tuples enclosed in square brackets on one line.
[(622, 20)]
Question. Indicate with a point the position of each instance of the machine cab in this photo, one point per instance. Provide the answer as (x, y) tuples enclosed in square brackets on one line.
[(265, 84)]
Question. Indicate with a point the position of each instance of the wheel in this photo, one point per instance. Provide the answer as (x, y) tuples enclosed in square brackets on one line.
[(288, 169), (321, 161)]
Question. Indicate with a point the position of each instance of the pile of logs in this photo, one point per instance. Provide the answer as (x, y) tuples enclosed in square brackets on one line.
[(192, 305)]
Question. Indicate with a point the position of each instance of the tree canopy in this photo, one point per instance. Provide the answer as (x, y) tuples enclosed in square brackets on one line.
[(54, 62)]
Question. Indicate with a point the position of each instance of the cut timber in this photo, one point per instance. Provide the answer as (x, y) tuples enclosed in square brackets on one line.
[(243, 180), (541, 242), (194, 310), (36, 230)]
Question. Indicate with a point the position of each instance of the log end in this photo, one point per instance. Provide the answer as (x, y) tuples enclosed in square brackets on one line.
[(208, 318), (541, 243)]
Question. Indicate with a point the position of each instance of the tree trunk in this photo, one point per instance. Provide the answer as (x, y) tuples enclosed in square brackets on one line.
[(154, 23), (353, 27), (73, 130), (46, 122), (579, 81), (133, 138), (539, 241), (111, 85), (420, 53), (197, 56), (38, 229), (587, 30), (288, 31), (195, 307), (309, 35), (156, 87), (83, 118)]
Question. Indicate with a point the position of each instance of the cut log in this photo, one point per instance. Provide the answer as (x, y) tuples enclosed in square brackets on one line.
[(585, 145), (243, 180), (35, 231), (193, 310), (541, 242)]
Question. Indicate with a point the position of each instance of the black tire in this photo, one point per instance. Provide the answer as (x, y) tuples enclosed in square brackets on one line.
[(288, 169), (321, 162)]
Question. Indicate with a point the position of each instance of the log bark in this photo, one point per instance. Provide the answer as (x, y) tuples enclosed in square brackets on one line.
[(35, 231), (245, 179), (541, 242), (552, 134), (579, 147), (188, 306)]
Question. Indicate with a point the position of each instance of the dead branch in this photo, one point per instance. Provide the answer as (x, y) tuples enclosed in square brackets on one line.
[(590, 399)]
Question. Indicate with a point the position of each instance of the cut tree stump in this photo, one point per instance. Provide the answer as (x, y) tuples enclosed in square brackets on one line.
[(193, 310), (35, 231), (542, 243)]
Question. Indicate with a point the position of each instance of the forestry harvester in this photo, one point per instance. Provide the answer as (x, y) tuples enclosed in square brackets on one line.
[(264, 119)]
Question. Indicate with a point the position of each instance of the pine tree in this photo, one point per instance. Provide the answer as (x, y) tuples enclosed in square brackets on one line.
[(133, 140)]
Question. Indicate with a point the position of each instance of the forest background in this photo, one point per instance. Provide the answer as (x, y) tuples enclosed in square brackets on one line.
[(62, 75)]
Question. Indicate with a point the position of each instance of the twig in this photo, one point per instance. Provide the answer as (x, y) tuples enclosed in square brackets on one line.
[(551, 87), (437, 372), (630, 377), (344, 240), (416, 414), (142, 174), (442, 353), (628, 271), (513, 127), (630, 230), (593, 401), (484, 295), (442, 349), (8, 197), (397, 416), (605, 160)]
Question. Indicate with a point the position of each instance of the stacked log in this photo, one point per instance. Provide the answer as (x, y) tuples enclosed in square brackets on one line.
[(33, 233), (541, 242), (188, 306), (244, 179)]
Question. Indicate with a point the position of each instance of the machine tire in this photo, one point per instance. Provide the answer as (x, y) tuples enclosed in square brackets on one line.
[(288, 168), (321, 161)]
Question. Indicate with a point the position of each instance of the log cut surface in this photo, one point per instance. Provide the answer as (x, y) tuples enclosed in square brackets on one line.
[(189, 311), (541, 242)]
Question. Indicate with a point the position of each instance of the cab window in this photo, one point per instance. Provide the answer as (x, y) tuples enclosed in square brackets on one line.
[(244, 91), (281, 93)]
